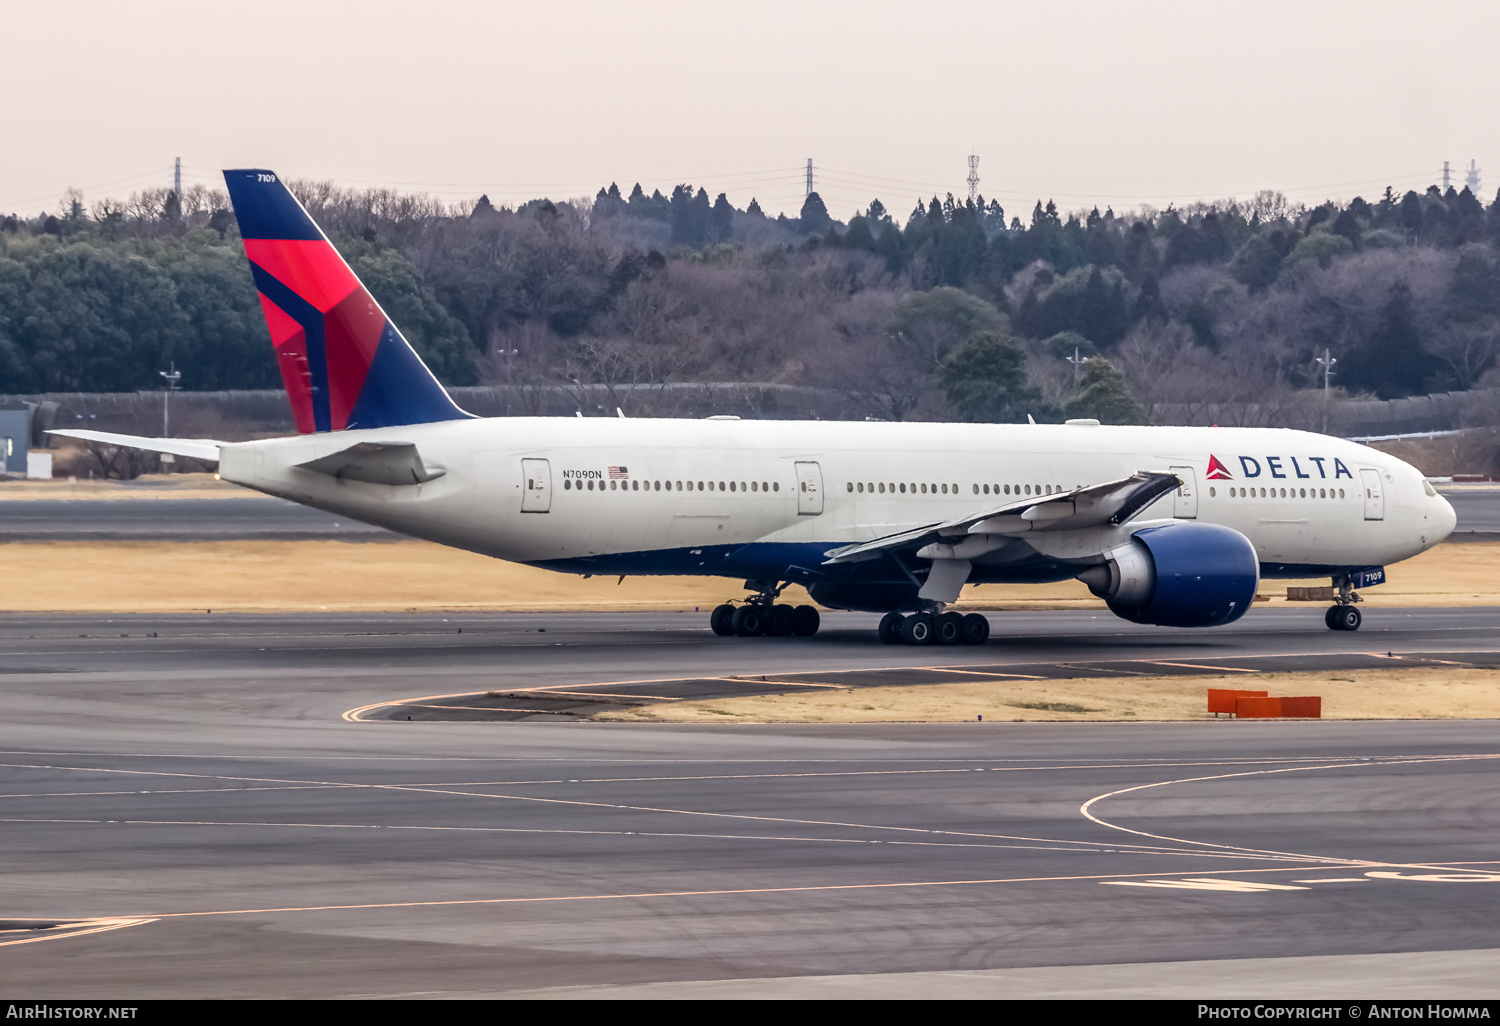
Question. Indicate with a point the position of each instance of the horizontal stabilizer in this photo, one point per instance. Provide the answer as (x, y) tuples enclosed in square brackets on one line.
[(197, 448), (387, 463)]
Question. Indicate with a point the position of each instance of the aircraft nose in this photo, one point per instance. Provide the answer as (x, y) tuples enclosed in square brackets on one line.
[(1445, 518)]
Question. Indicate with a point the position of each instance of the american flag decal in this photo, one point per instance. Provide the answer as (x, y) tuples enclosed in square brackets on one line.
[(619, 473)]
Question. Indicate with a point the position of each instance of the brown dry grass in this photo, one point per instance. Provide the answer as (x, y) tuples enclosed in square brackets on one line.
[(272, 575), (147, 487), (261, 576), (1415, 693)]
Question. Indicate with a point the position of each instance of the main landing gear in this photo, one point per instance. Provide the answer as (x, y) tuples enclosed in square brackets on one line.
[(928, 628), (762, 615), (1344, 615)]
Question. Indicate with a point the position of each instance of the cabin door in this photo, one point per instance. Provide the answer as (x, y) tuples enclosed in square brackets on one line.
[(536, 486), (1185, 500), (1374, 497), (809, 489)]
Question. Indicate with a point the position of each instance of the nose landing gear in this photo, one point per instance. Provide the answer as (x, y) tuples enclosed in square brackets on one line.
[(1342, 618), (762, 615), (1343, 615)]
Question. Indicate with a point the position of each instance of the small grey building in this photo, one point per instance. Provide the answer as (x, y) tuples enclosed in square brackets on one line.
[(15, 434)]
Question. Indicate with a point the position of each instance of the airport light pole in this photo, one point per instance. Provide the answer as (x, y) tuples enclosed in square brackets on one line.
[(1326, 362), (1077, 362), (173, 376)]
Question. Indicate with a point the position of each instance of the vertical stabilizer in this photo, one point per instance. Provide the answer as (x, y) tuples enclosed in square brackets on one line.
[(344, 363)]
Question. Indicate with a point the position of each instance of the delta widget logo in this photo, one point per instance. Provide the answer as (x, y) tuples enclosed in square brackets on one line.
[(1276, 467)]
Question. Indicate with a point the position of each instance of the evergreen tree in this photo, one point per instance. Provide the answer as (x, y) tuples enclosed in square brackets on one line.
[(984, 380), (754, 208), (1257, 263), (815, 219), (1411, 216), (1103, 396), (929, 325), (721, 221), (1392, 361), (859, 235), (690, 216)]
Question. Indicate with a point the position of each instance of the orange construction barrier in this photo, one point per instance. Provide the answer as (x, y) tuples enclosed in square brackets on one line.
[(1310, 708), (1221, 700)]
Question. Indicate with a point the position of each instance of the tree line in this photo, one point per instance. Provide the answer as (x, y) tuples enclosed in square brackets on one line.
[(956, 312)]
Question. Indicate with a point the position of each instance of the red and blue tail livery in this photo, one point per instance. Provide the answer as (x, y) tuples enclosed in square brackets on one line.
[(344, 363)]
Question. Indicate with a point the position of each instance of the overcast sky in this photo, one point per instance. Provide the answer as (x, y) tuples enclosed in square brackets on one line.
[(1084, 101)]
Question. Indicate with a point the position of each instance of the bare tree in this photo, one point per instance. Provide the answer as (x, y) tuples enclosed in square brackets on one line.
[(1468, 348)]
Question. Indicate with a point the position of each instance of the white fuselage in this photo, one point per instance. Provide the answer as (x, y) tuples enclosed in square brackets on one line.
[(682, 489)]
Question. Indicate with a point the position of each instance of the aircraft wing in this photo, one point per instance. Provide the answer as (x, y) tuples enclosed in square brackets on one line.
[(1112, 502), (198, 448)]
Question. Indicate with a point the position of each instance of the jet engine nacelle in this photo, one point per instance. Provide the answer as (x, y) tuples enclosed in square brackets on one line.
[(1178, 575)]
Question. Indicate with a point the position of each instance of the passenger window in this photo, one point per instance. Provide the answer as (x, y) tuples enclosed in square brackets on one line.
[(776, 487), (731, 486), (882, 488)]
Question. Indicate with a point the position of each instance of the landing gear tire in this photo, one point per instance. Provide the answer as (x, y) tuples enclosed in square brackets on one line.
[(720, 619), (890, 628), (1343, 618), (950, 629), (779, 623), (917, 629), (805, 621), (748, 622), (976, 629)]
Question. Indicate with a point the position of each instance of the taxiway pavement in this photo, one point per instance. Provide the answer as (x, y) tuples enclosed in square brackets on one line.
[(184, 812)]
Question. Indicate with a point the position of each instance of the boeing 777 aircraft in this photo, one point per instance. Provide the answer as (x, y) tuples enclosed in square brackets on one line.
[(1169, 525)]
